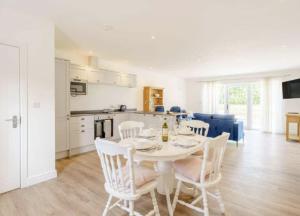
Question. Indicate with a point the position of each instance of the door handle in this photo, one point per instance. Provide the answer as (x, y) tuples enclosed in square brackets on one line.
[(14, 121)]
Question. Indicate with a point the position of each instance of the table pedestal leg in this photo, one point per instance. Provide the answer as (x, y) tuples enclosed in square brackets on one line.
[(166, 182), (166, 177)]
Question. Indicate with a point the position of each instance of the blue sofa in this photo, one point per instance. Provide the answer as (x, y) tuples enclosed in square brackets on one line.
[(222, 123)]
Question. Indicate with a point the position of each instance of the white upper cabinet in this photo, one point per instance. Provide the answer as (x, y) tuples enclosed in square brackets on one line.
[(102, 76), (95, 76), (78, 72), (127, 80), (110, 77)]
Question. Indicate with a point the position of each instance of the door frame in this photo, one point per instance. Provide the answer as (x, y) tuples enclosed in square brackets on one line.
[(23, 103)]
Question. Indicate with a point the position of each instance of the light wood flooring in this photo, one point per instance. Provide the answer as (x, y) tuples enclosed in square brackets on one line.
[(261, 178)]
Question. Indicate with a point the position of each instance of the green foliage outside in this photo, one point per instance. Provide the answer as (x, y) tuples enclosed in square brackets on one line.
[(238, 94)]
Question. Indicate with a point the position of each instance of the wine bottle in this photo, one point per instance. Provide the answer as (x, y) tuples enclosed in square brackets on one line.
[(165, 131)]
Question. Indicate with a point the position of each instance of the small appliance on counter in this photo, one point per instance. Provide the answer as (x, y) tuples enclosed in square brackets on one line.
[(123, 108)]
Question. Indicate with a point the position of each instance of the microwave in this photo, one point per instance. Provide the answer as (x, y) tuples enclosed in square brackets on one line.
[(78, 87)]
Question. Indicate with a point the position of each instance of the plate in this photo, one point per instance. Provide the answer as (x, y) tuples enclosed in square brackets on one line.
[(184, 142), (140, 143)]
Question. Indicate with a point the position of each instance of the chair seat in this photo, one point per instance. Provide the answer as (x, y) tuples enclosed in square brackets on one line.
[(198, 153), (191, 168), (143, 175)]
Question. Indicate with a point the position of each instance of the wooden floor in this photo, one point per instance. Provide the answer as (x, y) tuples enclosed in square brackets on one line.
[(261, 177)]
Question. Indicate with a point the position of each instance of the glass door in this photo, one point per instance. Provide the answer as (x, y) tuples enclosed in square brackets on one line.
[(237, 100), (242, 100)]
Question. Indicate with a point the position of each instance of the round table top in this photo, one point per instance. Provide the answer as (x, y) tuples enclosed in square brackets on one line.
[(169, 151)]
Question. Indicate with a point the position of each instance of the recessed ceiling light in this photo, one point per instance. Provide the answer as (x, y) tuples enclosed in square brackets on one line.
[(108, 27), (153, 37), (150, 68)]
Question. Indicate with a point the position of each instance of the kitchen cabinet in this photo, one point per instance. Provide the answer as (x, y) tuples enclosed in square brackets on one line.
[(95, 76), (81, 131), (118, 119), (102, 76), (110, 77), (127, 80), (78, 72), (62, 105), (153, 120)]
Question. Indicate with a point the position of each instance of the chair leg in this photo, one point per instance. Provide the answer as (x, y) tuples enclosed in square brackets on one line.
[(154, 202), (169, 204), (205, 204), (176, 195), (220, 201), (107, 206), (131, 208), (125, 203)]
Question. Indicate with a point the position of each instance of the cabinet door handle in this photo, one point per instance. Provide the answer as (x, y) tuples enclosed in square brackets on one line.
[(82, 131), (82, 125), (82, 118)]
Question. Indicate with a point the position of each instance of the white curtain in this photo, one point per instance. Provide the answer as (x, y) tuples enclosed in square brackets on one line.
[(272, 105), (209, 96)]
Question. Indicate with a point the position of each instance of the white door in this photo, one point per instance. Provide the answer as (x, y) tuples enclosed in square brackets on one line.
[(9, 116), (61, 105)]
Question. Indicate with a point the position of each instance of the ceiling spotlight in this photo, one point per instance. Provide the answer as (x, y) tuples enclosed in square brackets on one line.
[(108, 27), (153, 37)]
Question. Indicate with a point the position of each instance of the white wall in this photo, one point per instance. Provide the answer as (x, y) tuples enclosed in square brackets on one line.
[(194, 96), (38, 37), (105, 96)]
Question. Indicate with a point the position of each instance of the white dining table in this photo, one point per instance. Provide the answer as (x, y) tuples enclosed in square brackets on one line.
[(164, 158)]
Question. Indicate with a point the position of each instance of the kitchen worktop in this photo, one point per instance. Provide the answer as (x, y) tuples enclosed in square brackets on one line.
[(99, 112)]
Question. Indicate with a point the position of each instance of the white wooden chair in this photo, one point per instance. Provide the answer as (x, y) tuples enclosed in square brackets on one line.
[(127, 183), (203, 173), (198, 127), (130, 129)]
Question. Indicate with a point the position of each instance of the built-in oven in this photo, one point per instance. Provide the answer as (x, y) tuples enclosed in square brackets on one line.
[(104, 126), (78, 87)]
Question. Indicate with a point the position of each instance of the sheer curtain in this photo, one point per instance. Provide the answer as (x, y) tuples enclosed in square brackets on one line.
[(272, 105), (209, 95)]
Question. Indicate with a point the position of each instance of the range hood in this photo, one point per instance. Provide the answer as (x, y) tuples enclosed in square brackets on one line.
[(93, 61)]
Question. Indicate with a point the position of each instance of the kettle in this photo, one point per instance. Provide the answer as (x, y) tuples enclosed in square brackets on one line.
[(123, 108)]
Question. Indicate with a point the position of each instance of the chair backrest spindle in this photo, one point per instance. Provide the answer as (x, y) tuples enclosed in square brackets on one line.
[(212, 158), (117, 177), (130, 129), (197, 126)]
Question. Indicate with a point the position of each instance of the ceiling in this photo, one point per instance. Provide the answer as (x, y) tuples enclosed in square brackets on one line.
[(193, 38)]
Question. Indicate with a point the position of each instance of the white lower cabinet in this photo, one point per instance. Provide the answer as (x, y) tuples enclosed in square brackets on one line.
[(153, 120), (118, 119), (80, 138), (82, 128), (81, 134)]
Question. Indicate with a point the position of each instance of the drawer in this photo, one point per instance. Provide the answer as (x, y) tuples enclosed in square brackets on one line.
[(81, 122), (79, 138)]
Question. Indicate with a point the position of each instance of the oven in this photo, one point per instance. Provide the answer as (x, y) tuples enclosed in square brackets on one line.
[(103, 126)]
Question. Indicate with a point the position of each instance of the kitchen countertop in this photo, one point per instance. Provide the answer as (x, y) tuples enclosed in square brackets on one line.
[(99, 112)]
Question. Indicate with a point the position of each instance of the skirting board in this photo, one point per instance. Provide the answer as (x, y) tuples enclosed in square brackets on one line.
[(40, 178), (83, 149)]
